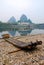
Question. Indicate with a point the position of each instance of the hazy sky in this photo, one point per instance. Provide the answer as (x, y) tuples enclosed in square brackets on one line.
[(33, 9)]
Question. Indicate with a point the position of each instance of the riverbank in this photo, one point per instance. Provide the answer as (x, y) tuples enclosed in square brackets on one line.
[(11, 55)]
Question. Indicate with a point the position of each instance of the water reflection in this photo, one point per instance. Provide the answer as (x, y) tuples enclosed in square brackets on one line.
[(12, 32), (21, 33), (25, 32)]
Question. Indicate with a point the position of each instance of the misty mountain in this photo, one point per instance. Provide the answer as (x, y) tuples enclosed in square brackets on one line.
[(29, 21), (23, 18), (12, 20)]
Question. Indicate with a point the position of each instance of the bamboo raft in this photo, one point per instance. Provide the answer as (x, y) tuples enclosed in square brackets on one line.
[(21, 44)]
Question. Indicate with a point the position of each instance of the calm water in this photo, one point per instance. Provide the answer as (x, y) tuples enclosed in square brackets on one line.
[(21, 33)]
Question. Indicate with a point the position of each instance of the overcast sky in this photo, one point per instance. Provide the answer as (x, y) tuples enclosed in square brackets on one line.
[(33, 9)]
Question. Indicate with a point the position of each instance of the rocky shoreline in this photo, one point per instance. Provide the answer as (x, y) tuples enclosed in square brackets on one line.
[(22, 57)]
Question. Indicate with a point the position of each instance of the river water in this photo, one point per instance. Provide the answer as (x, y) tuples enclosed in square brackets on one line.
[(22, 33)]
